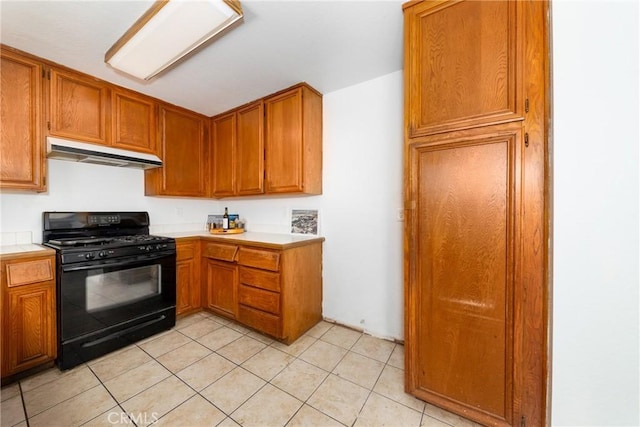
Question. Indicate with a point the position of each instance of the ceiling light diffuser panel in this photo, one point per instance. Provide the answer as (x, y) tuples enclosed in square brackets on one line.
[(168, 31)]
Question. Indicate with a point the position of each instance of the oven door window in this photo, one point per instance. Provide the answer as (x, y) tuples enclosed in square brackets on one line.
[(108, 290)]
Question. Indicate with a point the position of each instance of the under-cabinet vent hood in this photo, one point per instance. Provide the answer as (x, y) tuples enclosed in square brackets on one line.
[(63, 149)]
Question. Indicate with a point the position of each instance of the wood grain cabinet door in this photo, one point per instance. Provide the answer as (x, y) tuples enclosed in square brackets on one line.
[(78, 107), (221, 287), (283, 136), (223, 151), (22, 163), (463, 65), (188, 288), (462, 296), (293, 141), (31, 327), (250, 150), (134, 122), (184, 147)]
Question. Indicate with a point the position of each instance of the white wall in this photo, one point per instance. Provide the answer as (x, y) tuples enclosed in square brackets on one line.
[(362, 193), (596, 213)]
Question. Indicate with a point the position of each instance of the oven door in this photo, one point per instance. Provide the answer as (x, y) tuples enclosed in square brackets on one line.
[(99, 295)]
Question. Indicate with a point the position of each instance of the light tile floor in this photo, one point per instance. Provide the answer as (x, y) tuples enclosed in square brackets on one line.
[(208, 371)]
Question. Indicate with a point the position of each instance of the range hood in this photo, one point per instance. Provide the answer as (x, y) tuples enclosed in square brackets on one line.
[(63, 149)]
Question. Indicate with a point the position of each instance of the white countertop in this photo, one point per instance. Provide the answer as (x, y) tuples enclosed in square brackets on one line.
[(248, 237), (22, 249)]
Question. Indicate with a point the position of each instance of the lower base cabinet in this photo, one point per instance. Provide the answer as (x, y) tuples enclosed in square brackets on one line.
[(28, 312), (220, 280), (188, 298), (275, 289)]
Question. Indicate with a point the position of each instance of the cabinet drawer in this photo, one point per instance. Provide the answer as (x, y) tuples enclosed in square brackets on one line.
[(23, 273), (267, 260), (260, 299), (185, 251), (219, 251), (260, 279), (265, 322)]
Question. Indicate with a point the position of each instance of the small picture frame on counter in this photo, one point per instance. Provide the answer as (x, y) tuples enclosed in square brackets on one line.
[(304, 221)]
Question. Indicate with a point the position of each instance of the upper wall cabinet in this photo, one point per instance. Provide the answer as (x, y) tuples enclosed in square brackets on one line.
[(238, 152), (183, 139), (483, 63), (293, 141), (134, 122), (22, 163), (78, 107), (223, 148), (250, 149)]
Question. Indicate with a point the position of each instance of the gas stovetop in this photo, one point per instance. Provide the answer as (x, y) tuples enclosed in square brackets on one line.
[(101, 236), (97, 242)]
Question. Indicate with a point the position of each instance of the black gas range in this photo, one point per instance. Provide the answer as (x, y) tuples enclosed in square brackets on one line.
[(116, 283)]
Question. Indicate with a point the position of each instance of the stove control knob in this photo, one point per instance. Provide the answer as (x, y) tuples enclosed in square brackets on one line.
[(102, 254), (90, 255), (148, 248), (158, 247)]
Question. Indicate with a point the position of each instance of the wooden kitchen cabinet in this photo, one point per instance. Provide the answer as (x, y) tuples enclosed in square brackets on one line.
[(184, 147), (188, 292), (476, 192), (28, 312), (220, 278), (223, 153), (238, 152), (472, 79), (22, 161), (275, 289), (134, 124), (293, 141), (250, 149), (78, 107)]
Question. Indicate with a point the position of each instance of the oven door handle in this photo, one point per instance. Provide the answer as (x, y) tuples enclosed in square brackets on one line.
[(125, 263)]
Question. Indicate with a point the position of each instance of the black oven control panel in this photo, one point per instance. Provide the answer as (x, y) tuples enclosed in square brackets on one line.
[(108, 255), (103, 219)]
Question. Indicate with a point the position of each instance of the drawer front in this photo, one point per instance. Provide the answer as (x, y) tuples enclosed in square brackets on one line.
[(185, 251), (265, 322), (260, 299), (23, 273), (260, 279), (258, 258), (220, 251)]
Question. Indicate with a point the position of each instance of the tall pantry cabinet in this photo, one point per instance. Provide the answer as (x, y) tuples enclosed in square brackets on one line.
[(476, 236)]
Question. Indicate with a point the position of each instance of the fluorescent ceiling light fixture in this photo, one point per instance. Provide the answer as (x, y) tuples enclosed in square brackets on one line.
[(168, 31)]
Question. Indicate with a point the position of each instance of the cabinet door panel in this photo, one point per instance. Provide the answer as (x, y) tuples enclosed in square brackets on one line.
[(463, 294), (31, 325), (465, 65), (78, 107), (224, 155), (134, 122), (21, 149), (283, 147), (250, 150), (183, 139), (221, 287)]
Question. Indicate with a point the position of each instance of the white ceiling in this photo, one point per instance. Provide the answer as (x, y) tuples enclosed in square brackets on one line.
[(328, 44)]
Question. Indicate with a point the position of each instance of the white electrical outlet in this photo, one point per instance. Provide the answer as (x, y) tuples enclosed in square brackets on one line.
[(400, 215)]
